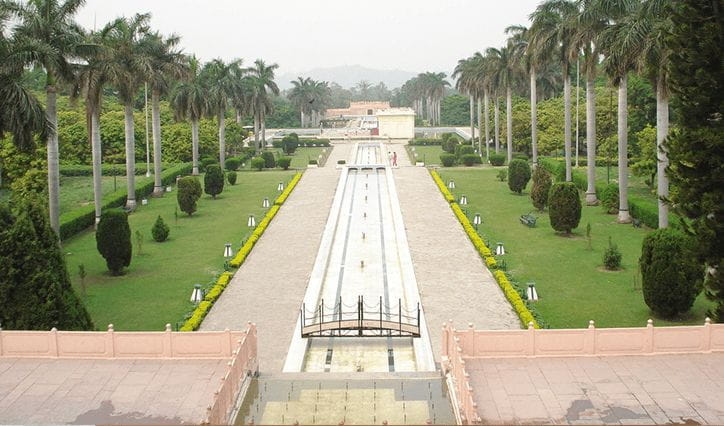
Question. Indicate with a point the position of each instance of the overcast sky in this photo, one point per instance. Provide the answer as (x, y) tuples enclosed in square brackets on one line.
[(410, 35)]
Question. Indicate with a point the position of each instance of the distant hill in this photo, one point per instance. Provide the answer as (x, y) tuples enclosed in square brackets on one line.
[(349, 75)]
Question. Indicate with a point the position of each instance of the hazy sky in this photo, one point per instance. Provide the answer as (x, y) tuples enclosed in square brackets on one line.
[(411, 35)]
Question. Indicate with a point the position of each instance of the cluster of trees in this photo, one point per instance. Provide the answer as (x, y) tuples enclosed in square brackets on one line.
[(124, 58), (674, 45), (425, 93)]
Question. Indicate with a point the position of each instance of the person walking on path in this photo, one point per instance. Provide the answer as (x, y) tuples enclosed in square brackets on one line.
[(394, 159)]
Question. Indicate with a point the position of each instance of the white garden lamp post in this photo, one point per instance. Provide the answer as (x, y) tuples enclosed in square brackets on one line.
[(265, 203), (499, 249), (251, 223), (280, 187), (477, 220), (197, 295), (227, 250), (451, 184), (531, 292), (463, 200)]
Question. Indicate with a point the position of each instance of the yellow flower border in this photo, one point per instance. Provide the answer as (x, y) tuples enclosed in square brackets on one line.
[(198, 315), (486, 254)]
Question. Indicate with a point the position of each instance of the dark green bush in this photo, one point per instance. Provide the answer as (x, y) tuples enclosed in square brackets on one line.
[(257, 163), (497, 159), (461, 150), (232, 164), (612, 256), (113, 240), (609, 199), (502, 175), (81, 218), (284, 162), (447, 159), (290, 143), (160, 230), (188, 193), (313, 162), (518, 175), (564, 207), (213, 180), (269, 161), (107, 169), (205, 162), (449, 145), (425, 141), (470, 159), (341, 162), (671, 277), (231, 178), (541, 187), (520, 156)]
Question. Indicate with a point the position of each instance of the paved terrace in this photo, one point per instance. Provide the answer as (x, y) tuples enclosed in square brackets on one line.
[(657, 389), (127, 391), (269, 287)]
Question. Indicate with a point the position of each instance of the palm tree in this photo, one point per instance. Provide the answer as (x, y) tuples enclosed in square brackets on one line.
[(21, 114), (505, 71), (320, 94), (465, 83), (620, 58), (222, 82), (552, 30), (261, 82), (189, 102), (300, 95), (166, 63), (126, 71), (47, 31)]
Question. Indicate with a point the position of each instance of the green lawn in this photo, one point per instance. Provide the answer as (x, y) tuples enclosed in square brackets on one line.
[(300, 158), (158, 284), (572, 284), (429, 154), (77, 191)]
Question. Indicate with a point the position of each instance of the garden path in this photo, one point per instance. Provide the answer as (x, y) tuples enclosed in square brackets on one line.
[(270, 285)]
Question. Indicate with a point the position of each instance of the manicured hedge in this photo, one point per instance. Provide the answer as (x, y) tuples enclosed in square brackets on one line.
[(646, 211), (314, 142), (521, 308), (198, 315), (81, 218), (425, 141), (70, 170), (288, 190)]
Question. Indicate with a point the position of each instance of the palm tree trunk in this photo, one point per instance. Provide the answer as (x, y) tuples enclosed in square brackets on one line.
[(222, 138), (534, 115), (623, 214), (480, 126), (262, 120), (509, 120), (53, 157), (156, 127), (591, 198), (238, 117), (662, 157), (567, 119), (486, 113), (497, 125), (256, 133), (195, 146), (96, 155), (130, 157), (472, 119), (301, 117)]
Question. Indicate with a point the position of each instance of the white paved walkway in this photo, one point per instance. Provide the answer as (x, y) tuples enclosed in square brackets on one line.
[(269, 287), (454, 282)]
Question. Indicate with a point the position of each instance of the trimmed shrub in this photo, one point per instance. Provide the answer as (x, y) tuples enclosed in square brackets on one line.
[(341, 162), (520, 156), (670, 275), (232, 164), (269, 161), (518, 175), (113, 240), (612, 256), (448, 145), (313, 162), (160, 230), (447, 159), (231, 178), (284, 162), (257, 163), (213, 180), (461, 150), (564, 207), (205, 162), (188, 193), (497, 159), (470, 159), (609, 199), (502, 175), (425, 141), (290, 143), (541, 187)]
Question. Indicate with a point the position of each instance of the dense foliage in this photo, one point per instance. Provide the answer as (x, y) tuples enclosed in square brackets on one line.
[(497, 159), (160, 230), (696, 150), (188, 193), (609, 198), (518, 175), (213, 180), (611, 256), (231, 178), (541, 187), (35, 290), (284, 162), (447, 159), (113, 240), (564, 207), (670, 273)]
